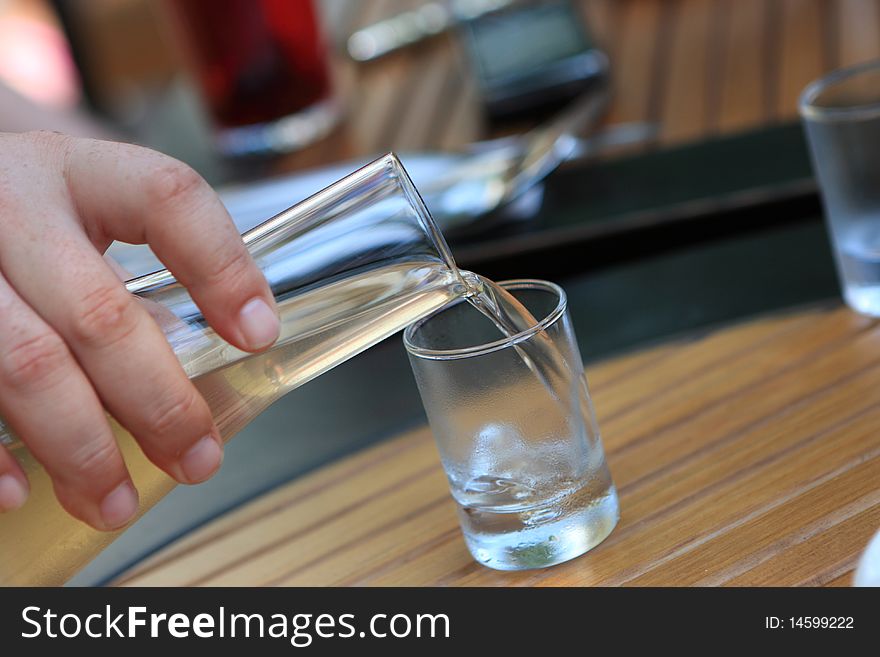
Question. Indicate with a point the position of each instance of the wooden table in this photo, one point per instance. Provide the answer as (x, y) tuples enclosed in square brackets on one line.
[(747, 455)]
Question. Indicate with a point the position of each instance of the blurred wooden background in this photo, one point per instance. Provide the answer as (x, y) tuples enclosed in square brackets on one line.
[(697, 67)]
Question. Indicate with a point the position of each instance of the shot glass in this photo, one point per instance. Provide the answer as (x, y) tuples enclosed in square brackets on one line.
[(841, 116), (516, 431)]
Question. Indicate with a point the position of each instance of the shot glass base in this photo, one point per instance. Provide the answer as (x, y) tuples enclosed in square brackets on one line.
[(549, 543), (864, 299)]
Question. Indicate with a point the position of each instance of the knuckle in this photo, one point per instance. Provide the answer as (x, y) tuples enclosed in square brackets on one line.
[(48, 139), (173, 412), (93, 459), (173, 183), (229, 268), (36, 363), (50, 146), (106, 316)]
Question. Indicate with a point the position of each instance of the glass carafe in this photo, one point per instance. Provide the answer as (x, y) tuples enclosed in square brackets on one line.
[(348, 266)]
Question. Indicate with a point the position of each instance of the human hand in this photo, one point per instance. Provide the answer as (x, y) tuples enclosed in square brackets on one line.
[(74, 342)]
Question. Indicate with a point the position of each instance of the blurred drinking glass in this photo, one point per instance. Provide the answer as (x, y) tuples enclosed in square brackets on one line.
[(841, 115), (263, 70)]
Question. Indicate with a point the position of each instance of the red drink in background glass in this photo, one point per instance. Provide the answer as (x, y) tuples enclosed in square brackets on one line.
[(262, 68)]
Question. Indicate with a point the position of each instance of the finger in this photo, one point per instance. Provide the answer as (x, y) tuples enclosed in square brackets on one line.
[(13, 482), (47, 400), (169, 206), (121, 272), (121, 349)]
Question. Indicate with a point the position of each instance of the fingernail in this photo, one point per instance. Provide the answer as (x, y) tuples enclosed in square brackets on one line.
[(201, 460), (13, 494), (259, 324), (119, 506)]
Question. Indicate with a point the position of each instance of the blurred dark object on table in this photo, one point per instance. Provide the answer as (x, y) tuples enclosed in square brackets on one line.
[(530, 58)]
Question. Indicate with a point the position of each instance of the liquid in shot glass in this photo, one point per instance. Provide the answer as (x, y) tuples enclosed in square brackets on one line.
[(516, 430)]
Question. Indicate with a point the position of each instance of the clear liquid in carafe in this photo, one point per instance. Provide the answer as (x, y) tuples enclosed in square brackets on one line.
[(41, 544)]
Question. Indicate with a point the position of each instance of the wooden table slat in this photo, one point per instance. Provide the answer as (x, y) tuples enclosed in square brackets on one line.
[(801, 23), (742, 68), (765, 473), (686, 97), (858, 34), (636, 42)]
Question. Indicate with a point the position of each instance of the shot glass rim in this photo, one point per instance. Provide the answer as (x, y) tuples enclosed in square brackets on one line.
[(812, 112), (478, 350)]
